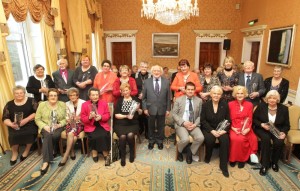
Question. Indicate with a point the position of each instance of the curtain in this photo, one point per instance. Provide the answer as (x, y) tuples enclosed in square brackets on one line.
[(99, 35)]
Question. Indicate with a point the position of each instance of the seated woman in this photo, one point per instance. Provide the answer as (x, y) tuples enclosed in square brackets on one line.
[(126, 126), (74, 126), (243, 141), (214, 112), (278, 114), (51, 120), (94, 116), (23, 130)]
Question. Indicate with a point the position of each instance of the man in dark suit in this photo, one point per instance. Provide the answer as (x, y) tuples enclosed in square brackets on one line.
[(63, 79), (253, 82), (186, 114), (156, 105)]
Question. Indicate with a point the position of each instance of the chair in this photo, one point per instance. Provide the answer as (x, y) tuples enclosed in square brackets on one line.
[(63, 136), (115, 137), (293, 136), (191, 141)]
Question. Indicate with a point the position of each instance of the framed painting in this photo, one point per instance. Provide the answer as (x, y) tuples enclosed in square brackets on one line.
[(165, 45)]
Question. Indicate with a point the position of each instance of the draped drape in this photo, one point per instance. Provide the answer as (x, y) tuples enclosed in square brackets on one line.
[(99, 34)]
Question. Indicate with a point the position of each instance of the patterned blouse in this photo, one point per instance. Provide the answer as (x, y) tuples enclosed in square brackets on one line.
[(231, 81)]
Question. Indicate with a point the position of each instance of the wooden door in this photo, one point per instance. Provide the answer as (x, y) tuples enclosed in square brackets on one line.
[(209, 53), (254, 54), (122, 54)]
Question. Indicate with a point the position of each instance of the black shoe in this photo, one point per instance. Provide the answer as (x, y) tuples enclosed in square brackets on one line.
[(150, 146), (22, 158), (275, 167), (206, 160), (180, 157), (241, 164), (131, 158), (95, 159), (263, 171), (54, 155), (225, 173), (160, 146), (44, 171), (123, 162), (61, 164), (107, 160), (73, 157), (189, 158), (13, 162), (232, 164)]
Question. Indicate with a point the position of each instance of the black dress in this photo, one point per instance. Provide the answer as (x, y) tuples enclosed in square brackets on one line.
[(125, 126), (27, 133)]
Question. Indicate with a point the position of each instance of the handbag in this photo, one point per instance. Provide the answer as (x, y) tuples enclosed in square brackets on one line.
[(115, 150)]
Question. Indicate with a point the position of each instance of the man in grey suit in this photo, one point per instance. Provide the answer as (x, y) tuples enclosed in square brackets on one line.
[(156, 105), (63, 79), (253, 82), (186, 114)]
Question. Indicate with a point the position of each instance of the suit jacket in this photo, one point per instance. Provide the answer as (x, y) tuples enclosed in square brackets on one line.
[(283, 89), (61, 84), (256, 79), (179, 108), (156, 104), (282, 121)]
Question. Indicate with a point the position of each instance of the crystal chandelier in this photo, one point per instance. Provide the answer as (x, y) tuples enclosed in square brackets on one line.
[(169, 12)]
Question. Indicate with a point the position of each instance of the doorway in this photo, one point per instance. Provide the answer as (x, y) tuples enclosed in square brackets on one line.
[(209, 53), (122, 54), (255, 53)]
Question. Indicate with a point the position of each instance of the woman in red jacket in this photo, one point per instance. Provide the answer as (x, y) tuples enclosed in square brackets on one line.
[(95, 116)]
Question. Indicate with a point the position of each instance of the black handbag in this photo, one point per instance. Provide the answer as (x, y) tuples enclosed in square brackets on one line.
[(115, 150)]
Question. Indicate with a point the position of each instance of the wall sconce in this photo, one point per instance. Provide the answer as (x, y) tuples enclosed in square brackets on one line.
[(250, 23)]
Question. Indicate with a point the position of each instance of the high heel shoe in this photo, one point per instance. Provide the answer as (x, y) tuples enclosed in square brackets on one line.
[(95, 159), (263, 171), (44, 171), (22, 158), (60, 164), (13, 162), (73, 157)]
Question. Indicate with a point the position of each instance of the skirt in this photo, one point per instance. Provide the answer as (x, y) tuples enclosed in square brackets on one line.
[(99, 139), (25, 135)]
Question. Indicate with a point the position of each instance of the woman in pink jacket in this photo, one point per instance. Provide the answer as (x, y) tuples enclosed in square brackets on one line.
[(95, 116)]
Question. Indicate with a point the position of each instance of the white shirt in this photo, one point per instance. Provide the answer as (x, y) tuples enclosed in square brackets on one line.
[(186, 109)]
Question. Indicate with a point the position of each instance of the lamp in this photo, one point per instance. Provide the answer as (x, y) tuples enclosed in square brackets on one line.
[(169, 12), (252, 22)]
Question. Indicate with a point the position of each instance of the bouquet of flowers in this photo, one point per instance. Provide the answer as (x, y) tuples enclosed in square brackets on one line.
[(222, 125), (53, 120), (274, 130)]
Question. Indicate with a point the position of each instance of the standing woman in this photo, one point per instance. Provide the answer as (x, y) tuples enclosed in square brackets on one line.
[(95, 116), (104, 82), (277, 82), (126, 126), (84, 77), (278, 114), (213, 112), (23, 131), (39, 83), (72, 130), (124, 79), (228, 78), (243, 141), (63, 79), (208, 81), (47, 111)]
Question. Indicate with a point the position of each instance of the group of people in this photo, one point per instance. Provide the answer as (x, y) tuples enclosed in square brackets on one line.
[(76, 102)]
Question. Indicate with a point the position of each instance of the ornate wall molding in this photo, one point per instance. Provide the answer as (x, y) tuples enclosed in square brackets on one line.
[(254, 31), (120, 34), (212, 33)]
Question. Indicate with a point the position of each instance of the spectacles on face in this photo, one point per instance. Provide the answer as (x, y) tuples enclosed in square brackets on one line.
[(52, 95), (73, 95)]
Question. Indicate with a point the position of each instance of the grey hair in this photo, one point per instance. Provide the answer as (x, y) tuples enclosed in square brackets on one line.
[(273, 93), (62, 59), (71, 90), (18, 87)]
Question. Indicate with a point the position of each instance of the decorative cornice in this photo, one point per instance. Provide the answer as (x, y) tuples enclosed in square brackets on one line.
[(212, 33), (254, 31), (120, 33)]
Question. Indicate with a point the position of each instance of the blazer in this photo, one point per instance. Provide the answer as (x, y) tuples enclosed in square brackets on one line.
[(179, 108), (70, 107), (34, 85), (61, 84), (156, 104), (117, 91), (260, 86), (283, 89), (282, 121), (89, 123)]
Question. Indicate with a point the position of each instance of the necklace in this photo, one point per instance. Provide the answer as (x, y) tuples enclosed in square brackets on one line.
[(272, 109)]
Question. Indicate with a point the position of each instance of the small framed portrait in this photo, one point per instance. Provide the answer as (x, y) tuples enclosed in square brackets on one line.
[(165, 45)]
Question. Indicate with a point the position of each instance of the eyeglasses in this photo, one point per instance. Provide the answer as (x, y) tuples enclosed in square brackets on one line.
[(52, 95)]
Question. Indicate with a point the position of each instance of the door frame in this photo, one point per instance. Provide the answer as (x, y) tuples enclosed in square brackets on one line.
[(210, 36), (121, 36)]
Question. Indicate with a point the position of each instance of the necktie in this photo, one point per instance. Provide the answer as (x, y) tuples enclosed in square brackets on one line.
[(64, 76), (156, 87), (248, 84), (191, 111)]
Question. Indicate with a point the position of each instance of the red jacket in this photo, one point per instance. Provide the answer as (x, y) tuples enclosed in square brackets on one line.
[(116, 88)]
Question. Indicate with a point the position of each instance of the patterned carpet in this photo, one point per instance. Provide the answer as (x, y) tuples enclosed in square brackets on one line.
[(152, 170)]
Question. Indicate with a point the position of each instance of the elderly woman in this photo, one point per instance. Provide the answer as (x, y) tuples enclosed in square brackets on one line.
[(126, 125), (39, 83), (184, 76), (63, 79), (104, 82), (277, 82), (124, 69), (94, 116), (243, 141), (213, 113), (228, 78), (278, 114), (208, 81), (74, 126), (51, 120), (18, 116), (84, 77)]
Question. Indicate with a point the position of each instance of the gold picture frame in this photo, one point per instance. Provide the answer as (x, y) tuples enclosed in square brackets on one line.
[(165, 45)]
